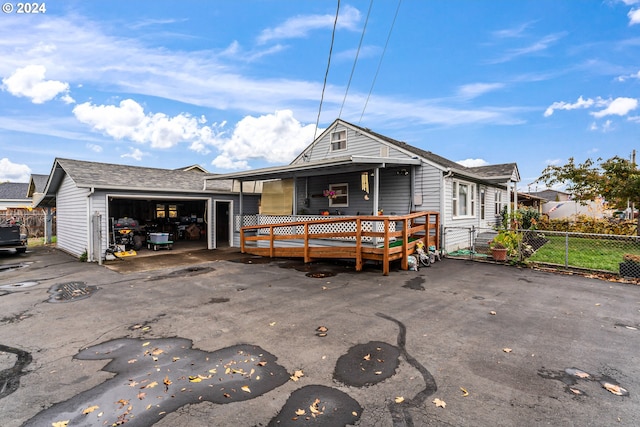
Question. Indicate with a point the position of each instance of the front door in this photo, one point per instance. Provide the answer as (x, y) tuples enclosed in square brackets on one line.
[(223, 223)]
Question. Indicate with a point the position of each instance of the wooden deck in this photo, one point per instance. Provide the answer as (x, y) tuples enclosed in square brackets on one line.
[(327, 238)]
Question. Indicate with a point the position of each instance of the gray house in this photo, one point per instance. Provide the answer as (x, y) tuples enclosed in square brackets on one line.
[(350, 170), (89, 196)]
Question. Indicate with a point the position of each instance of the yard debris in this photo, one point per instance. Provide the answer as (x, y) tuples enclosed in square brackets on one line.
[(493, 313), (465, 393), (439, 403), (507, 350), (399, 399), (90, 409), (297, 375), (615, 389)]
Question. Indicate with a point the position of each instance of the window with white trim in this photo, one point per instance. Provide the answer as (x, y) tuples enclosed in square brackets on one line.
[(340, 197), (464, 199), (483, 201), (339, 140), (498, 202)]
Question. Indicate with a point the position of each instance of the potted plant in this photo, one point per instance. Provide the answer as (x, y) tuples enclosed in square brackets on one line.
[(504, 244)]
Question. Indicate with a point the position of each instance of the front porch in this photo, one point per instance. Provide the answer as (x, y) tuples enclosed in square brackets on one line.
[(361, 238)]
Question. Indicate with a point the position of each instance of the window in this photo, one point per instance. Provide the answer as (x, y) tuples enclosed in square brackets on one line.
[(339, 140), (464, 199), (341, 198), (482, 203), (160, 211), (498, 202)]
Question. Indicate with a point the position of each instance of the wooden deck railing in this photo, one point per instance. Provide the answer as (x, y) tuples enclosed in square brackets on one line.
[(326, 238)]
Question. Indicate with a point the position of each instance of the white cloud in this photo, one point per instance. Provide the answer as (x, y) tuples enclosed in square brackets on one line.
[(474, 90), (128, 120), (30, 82), (561, 105), (471, 163), (276, 138), (94, 147), (634, 16), (618, 107), (301, 26), (134, 154), (14, 172), (630, 76)]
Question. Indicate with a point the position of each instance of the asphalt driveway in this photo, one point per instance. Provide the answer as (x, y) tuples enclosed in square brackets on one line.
[(246, 342)]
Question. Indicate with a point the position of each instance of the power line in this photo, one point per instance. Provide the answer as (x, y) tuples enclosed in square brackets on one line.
[(324, 85), (381, 58), (355, 61)]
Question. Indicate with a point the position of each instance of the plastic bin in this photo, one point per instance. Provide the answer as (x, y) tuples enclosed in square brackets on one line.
[(159, 237)]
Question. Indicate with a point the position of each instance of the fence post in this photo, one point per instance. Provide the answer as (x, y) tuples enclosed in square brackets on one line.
[(566, 250)]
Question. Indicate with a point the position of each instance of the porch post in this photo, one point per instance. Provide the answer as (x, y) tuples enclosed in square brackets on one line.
[(240, 203), (509, 204), (376, 188)]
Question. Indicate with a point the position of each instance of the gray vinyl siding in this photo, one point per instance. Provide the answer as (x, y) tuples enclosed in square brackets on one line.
[(429, 186), (357, 145), (71, 218)]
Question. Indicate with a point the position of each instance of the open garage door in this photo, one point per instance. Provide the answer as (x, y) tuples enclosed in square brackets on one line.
[(158, 223)]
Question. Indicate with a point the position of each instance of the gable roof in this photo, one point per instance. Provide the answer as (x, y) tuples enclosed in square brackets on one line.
[(108, 176), (493, 173), (14, 191), (37, 184)]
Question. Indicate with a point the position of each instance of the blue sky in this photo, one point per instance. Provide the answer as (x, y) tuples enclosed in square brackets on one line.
[(232, 85)]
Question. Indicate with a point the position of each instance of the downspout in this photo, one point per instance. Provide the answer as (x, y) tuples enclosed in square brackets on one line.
[(90, 254)]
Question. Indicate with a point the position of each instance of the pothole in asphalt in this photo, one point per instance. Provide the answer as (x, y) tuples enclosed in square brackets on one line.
[(253, 260), (415, 283), (19, 285), (72, 291), (164, 374), (13, 361), (571, 377), (320, 274), (10, 267), (367, 364), (185, 272), (318, 405)]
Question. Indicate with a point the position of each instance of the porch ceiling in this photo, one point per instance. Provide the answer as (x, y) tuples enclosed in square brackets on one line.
[(324, 167)]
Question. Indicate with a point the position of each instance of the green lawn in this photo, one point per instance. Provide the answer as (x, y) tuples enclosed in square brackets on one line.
[(589, 253)]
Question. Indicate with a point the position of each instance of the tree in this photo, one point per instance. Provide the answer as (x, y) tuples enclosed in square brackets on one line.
[(617, 180)]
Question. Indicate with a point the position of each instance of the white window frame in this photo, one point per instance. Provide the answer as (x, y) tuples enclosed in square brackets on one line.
[(483, 203), (339, 140), (470, 203), (342, 195), (498, 202)]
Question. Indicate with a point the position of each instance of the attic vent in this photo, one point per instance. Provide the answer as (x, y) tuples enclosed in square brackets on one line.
[(384, 151)]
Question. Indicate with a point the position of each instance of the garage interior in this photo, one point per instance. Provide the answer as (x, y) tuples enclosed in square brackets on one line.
[(183, 220)]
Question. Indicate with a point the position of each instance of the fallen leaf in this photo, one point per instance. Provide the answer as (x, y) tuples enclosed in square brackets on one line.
[(297, 375), (262, 363), (465, 393), (193, 379), (507, 350), (167, 381), (378, 372), (122, 403), (399, 399), (367, 357), (493, 313), (272, 324), (575, 390), (315, 407), (227, 395), (151, 385), (90, 409), (146, 344), (614, 388), (245, 388), (354, 413), (175, 359), (157, 351), (60, 423), (132, 361), (322, 329), (133, 383), (439, 403), (300, 412), (581, 374)]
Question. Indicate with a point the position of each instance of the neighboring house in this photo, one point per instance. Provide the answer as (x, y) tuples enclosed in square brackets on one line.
[(369, 173), (13, 198), (551, 195), (88, 196)]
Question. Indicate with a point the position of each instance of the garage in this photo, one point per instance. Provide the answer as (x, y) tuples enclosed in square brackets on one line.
[(139, 209), (137, 223)]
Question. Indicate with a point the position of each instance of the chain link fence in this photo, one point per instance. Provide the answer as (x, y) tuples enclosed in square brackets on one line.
[(605, 253)]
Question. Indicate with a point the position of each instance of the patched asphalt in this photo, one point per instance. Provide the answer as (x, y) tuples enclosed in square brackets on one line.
[(246, 341)]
